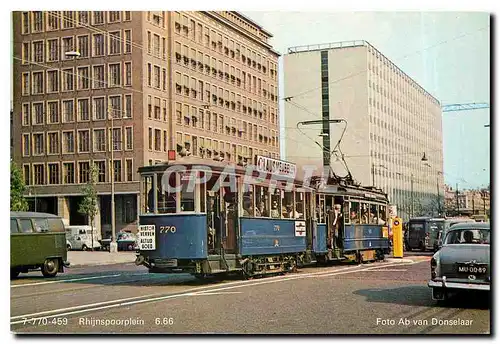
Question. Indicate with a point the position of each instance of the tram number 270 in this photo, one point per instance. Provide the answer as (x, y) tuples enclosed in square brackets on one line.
[(166, 229)]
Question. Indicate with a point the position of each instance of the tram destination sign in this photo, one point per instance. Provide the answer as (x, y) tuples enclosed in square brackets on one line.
[(279, 167)]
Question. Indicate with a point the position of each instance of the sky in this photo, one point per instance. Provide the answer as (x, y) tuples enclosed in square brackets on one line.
[(447, 53)]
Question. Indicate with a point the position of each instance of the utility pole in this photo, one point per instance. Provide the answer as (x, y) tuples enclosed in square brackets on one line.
[(458, 204), (113, 247)]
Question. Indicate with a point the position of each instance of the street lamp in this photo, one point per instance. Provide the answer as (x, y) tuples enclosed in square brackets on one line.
[(75, 54)]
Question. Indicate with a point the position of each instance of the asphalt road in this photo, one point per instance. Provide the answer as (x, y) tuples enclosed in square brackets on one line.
[(378, 298)]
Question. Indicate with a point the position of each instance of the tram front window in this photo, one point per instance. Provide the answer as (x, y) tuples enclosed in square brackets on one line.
[(147, 195), (187, 193), (166, 197), (276, 204)]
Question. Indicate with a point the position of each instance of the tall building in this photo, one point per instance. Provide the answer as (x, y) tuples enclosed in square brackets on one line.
[(391, 121), (142, 83)]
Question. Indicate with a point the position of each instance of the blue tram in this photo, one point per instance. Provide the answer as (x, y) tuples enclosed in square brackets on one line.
[(207, 219), (351, 223)]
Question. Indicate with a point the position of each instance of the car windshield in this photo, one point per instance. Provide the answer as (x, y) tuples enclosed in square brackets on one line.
[(468, 236)]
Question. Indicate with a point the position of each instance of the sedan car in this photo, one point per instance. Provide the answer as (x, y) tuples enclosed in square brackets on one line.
[(463, 261)]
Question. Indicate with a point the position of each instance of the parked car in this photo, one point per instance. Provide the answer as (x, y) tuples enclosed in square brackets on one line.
[(80, 237), (126, 241), (463, 261)]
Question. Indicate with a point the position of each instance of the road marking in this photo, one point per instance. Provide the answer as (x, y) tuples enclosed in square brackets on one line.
[(210, 293), (150, 298), (63, 280), (388, 270)]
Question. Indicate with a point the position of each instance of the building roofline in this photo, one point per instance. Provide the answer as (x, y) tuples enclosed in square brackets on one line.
[(253, 22), (353, 44)]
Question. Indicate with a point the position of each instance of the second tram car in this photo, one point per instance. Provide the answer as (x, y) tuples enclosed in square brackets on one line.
[(211, 218)]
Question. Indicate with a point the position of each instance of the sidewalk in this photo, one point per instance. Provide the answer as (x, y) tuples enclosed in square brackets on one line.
[(86, 258)]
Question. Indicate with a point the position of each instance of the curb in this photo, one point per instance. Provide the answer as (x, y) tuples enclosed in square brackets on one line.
[(96, 264)]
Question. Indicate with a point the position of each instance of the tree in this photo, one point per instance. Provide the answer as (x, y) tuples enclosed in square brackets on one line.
[(17, 189), (88, 205)]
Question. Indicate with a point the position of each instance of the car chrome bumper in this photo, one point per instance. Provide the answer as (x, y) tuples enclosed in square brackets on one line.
[(458, 285)]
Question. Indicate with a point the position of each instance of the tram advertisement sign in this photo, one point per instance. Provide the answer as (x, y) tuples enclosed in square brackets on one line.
[(147, 238), (274, 166)]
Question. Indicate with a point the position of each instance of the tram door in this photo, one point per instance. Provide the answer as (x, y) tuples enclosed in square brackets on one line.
[(230, 211), (335, 222)]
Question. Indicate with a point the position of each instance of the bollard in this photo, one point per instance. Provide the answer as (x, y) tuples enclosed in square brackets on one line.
[(397, 237)]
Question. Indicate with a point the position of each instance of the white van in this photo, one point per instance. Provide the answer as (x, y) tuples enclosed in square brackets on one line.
[(80, 238)]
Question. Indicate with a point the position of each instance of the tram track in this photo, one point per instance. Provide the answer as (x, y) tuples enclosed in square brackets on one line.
[(208, 289)]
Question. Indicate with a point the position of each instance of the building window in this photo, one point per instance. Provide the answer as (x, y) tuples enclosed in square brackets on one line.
[(38, 51), (53, 50), (67, 19), (164, 106), (157, 76), (128, 106), (164, 78), (37, 21), (100, 166), (156, 45), (98, 76), (83, 141), (38, 113), (114, 16), (53, 143), (114, 75), (98, 17), (165, 141), (83, 46), (38, 83), (115, 42), (67, 46), (129, 144), (116, 106), (26, 84), (128, 73), (157, 140), (130, 171), (26, 145), (25, 23), (39, 174), (127, 16), (98, 48), (83, 78), (83, 110), (99, 140), (68, 142), (150, 107), (83, 171), (150, 138), (27, 175), (53, 173), (67, 76), (99, 108), (117, 139), (69, 173), (53, 81), (83, 18), (68, 111), (117, 170), (38, 144), (128, 41), (157, 108), (149, 74)]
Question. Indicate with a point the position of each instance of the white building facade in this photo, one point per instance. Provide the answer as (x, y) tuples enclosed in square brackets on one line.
[(391, 122)]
